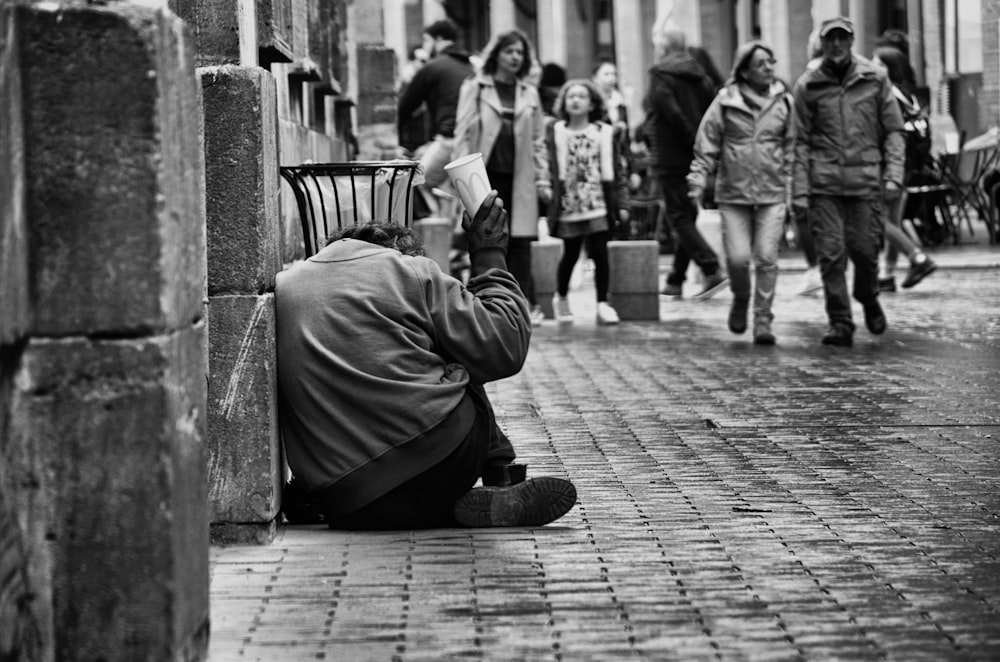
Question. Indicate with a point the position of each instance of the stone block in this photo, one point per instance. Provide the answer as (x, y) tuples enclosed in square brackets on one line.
[(244, 458), (634, 279), (217, 37), (545, 256), (107, 447), (241, 165), (436, 233), (113, 169), (14, 299)]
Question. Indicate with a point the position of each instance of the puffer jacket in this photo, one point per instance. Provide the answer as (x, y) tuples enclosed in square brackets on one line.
[(849, 135), (679, 94), (749, 149)]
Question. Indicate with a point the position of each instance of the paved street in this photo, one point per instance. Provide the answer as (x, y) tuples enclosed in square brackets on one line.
[(735, 502)]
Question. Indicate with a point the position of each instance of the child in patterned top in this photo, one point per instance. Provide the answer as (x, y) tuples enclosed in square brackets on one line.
[(590, 194)]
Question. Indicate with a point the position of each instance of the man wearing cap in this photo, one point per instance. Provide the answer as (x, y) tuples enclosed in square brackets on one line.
[(848, 161)]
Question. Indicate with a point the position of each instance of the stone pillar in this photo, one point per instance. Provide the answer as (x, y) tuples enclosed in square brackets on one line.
[(545, 256), (107, 409), (634, 279), (244, 254)]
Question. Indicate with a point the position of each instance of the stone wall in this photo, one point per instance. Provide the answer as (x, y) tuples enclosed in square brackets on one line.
[(102, 382)]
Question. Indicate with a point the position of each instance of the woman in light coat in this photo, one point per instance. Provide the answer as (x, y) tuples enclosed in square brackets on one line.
[(746, 138), (500, 115)]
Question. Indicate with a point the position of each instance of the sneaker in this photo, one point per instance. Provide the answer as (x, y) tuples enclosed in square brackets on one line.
[(874, 317), (762, 333), (534, 502), (606, 314), (713, 285), (887, 284), (561, 305), (537, 315), (811, 282), (503, 475), (839, 336), (738, 316), (918, 271), (670, 290)]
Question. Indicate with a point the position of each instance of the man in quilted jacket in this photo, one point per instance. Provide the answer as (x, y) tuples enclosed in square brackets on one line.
[(848, 161)]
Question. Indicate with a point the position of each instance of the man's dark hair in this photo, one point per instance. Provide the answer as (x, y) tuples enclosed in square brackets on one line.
[(443, 29), (895, 39), (389, 235), (898, 66)]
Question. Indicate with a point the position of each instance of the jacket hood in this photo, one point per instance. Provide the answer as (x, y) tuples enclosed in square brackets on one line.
[(678, 63), (743, 54)]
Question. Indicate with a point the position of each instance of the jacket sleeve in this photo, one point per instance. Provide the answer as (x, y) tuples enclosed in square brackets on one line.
[(707, 146), (485, 326), (664, 101), (893, 140), (788, 146), (622, 169), (412, 96), (803, 127), (540, 152), (466, 120)]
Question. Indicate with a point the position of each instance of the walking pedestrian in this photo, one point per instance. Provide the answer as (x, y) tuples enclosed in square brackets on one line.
[(382, 358), (917, 133), (436, 85), (746, 136), (679, 93), (848, 160), (590, 194), (500, 115)]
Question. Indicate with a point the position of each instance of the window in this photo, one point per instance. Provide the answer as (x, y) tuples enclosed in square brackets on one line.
[(963, 37)]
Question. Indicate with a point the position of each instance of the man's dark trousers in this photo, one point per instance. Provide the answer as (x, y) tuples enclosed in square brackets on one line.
[(846, 227), (682, 215)]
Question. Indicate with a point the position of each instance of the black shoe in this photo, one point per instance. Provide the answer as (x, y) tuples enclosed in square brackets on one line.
[(297, 507), (501, 475), (918, 271), (762, 333), (874, 317), (839, 336), (738, 316), (887, 284), (534, 502)]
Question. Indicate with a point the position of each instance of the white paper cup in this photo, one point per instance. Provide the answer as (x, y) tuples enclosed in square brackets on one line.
[(468, 176)]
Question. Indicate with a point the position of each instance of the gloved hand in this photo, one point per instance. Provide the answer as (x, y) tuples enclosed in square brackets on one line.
[(489, 227)]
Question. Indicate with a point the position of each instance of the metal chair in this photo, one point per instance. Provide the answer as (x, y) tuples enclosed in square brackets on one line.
[(331, 195)]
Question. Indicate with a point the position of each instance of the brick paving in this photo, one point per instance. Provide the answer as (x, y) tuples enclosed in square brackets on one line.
[(795, 502)]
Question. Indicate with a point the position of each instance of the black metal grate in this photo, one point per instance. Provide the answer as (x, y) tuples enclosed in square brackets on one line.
[(332, 195)]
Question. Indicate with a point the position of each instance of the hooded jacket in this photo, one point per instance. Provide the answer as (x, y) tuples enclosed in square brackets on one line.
[(849, 133), (749, 148), (437, 84), (679, 94)]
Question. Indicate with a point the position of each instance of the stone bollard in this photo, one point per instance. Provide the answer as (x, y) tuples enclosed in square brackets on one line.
[(634, 281), (436, 233), (545, 256)]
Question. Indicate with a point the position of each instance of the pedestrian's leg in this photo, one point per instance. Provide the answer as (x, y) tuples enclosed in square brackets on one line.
[(683, 215), (564, 272), (597, 249), (769, 224), (826, 223), (519, 265), (737, 230), (863, 236)]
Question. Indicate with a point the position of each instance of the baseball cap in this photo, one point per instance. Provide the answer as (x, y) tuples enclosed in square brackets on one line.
[(839, 23)]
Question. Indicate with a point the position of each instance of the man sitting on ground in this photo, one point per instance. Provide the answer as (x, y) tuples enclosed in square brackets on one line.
[(382, 359)]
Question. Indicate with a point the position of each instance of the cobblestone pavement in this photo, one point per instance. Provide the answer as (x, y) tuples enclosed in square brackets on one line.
[(735, 503)]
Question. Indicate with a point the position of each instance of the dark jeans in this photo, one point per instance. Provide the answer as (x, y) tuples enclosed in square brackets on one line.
[(425, 502), (846, 228), (682, 216), (518, 248)]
